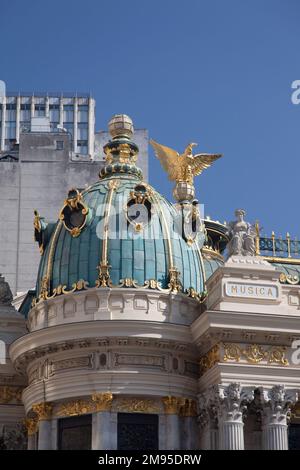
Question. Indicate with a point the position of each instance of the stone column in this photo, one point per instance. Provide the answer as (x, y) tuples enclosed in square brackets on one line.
[(277, 403), (101, 433), (3, 123), (233, 400), (91, 128), (47, 107), (44, 412), (32, 107), (18, 110), (207, 422), (31, 426), (227, 406), (61, 111), (172, 407), (75, 124)]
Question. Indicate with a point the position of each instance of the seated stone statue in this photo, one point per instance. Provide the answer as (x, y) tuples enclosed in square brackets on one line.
[(242, 236)]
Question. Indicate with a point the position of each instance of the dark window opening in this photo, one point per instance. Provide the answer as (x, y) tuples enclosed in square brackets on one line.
[(137, 431), (75, 433)]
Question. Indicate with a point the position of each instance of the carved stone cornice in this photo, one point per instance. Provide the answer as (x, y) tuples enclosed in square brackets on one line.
[(31, 425), (103, 401), (43, 410), (172, 405)]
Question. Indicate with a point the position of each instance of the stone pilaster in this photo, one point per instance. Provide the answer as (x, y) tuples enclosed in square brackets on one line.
[(227, 406), (31, 425), (233, 400), (188, 413), (44, 413), (277, 403), (101, 432), (172, 407), (208, 421)]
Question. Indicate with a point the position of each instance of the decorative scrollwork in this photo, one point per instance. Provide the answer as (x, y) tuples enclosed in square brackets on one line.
[(210, 359), (289, 279), (74, 213)]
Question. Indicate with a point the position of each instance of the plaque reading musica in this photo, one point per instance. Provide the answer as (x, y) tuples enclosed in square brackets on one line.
[(253, 291)]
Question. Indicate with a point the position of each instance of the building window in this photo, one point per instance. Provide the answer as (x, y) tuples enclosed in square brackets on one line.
[(68, 113), (83, 113), (10, 130), (82, 147), (59, 145), (137, 431), (75, 433), (82, 131), (10, 112), (54, 112), (25, 112), (39, 109)]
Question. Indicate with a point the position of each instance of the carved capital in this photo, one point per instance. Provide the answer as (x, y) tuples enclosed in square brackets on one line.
[(277, 403), (43, 410), (172, 405), (189, 408), (103, 401), (225, 403), (31, 425)]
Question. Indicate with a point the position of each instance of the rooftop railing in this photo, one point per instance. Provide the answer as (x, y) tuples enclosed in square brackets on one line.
[(52, 94), (277, 246)]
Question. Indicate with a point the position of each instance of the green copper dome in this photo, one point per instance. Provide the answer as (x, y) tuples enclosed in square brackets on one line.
[(104, 239)]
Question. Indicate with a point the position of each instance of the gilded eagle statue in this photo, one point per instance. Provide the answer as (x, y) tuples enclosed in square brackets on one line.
[(185, 166)]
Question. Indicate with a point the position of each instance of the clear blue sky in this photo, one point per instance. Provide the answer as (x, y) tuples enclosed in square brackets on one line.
[(216, 72)]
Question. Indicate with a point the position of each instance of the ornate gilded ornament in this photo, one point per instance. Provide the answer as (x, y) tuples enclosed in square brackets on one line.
[(210, 359), (183, 168), (103, 401), (103, 275), (289, 279), (232, 352), (38, 230), (172, 405), (103, 268), (31, 425), (277, 355), (74, 213), (10, 394), (76, 408), (138, 210), (189, 408), (137, 405), (43, 410), (174, 282), (254, 353)]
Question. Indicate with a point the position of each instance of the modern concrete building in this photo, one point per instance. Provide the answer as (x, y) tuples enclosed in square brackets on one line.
[(70, 111)]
